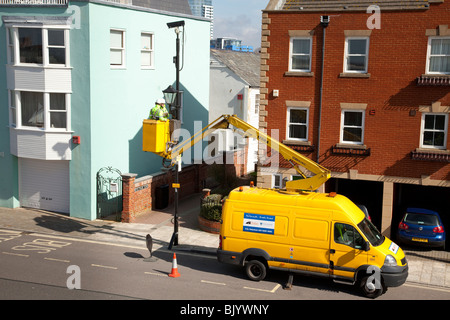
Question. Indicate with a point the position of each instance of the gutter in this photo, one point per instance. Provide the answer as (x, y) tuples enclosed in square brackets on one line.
[(324, 20)]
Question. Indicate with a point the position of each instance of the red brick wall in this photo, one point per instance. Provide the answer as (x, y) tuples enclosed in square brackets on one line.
[(140, 194), (397, 56)]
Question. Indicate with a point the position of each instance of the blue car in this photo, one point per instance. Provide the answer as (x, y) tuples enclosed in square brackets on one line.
[(421, 227)]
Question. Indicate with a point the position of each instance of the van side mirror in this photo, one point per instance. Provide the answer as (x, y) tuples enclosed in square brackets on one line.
[(366, 246)]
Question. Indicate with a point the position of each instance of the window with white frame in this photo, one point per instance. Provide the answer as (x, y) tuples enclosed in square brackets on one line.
[(352, 126), (277, 181), (434, 130), (10, 53), (57, 110), (297, 124), (117, 48), (44, 110), (12, 108), (32, 109), (300, 54), (56, 46), (147, 55), (356, 54), (30, 45), (438, 60), (37, 45)]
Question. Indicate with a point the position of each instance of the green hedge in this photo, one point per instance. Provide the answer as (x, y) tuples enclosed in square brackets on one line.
[(211, 207)]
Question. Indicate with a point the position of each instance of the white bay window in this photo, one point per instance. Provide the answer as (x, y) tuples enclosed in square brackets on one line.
[(41, 46), (39, 82), (47, 111)]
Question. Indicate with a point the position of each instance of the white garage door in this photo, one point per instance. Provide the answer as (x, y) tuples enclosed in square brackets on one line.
[(44, 184)]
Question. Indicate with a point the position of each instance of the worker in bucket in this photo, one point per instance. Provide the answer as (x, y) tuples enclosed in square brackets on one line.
[(159, 111)]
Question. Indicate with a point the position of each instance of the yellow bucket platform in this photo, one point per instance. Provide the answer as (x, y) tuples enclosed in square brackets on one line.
[(155, 135)]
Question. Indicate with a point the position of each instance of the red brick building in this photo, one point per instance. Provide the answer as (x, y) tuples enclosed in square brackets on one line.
[(366, 93)]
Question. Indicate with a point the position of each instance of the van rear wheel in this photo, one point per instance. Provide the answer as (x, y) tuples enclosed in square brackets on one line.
[(255, 270)]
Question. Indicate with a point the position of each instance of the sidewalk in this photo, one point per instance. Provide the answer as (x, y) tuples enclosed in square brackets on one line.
[(156, 223), (426, 267)]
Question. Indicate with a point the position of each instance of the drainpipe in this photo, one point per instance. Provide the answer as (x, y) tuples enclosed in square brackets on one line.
[(324, 20)]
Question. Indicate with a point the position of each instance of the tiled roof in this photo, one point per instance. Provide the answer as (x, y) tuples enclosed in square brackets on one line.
[(244, 64)]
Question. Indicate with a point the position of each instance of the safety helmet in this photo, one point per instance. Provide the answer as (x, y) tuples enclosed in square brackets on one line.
[(160, 101)]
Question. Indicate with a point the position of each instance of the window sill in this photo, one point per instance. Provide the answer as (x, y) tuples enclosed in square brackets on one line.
[(39, 66), (350, 149), (298, 74), (431, 155), (297, 142), (354, 75), (41, 130)]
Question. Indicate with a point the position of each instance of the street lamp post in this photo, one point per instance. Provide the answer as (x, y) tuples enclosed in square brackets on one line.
[(176, 60), (170, 93)]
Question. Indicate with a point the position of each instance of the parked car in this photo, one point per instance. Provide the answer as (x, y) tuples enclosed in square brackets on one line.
[(421, 227)]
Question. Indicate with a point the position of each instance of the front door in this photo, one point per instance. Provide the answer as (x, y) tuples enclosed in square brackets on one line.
[(346, 250)]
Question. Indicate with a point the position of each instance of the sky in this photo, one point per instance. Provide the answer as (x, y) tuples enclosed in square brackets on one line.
[(240, 19)]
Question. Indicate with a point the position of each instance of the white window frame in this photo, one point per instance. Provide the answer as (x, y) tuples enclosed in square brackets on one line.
[(121, 49), (11, 42), (291, 54), (47, 113), (347, 55), (13, 55), (422, 131), (47, 46), (288, 123), (430, 39), (276, 185), (12, 107), (341, 138), (150, 50)]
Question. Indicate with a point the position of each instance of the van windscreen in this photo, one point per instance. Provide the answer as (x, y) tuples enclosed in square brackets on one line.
[(371, 232)]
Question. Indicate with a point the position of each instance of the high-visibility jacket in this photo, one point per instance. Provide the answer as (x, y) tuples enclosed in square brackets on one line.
[(158, 112)]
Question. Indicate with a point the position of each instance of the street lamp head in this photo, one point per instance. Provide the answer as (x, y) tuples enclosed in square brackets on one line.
[(175, 24), (170, 95)]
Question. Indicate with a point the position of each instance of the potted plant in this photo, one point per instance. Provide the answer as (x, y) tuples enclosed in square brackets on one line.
[(210, 213)]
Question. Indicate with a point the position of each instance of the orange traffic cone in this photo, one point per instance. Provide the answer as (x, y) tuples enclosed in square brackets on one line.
[(174, 273)]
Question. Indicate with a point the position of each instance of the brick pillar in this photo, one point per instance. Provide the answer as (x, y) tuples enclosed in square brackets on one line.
[(127, 197), (386, 213)]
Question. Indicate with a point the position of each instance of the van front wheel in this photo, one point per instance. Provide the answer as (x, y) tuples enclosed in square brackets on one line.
[(369, 289), (255, 270)]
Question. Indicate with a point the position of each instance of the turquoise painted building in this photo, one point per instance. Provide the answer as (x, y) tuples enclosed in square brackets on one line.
[(76, 80)]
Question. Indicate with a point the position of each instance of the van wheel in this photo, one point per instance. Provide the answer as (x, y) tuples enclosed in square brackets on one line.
[(369, 290), (255, 270)]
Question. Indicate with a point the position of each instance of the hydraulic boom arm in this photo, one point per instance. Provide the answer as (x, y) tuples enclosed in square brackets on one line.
[(298, 161)]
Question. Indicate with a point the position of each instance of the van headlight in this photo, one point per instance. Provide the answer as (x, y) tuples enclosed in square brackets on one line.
[(390, 261)]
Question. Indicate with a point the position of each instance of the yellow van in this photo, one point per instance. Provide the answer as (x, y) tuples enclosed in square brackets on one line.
[(310, 233)]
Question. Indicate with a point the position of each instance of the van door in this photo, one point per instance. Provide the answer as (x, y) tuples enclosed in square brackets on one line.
[(346, 250)]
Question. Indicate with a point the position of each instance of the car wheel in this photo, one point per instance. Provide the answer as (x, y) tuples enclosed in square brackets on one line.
[(369, 290), (255, 270)]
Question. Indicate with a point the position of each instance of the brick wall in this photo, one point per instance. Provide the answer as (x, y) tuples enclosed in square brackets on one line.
[(139, 195), (397, 57)]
